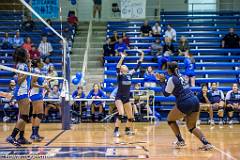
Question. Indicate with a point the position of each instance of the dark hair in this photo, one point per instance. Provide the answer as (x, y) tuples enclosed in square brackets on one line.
[(204, 85), (20, 55), (173, 67), (25, 40), (35, 62), (97, 85), (79, 87), (50, 22)]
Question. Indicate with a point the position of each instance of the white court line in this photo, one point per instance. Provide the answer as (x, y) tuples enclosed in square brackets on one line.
[(224, 153)]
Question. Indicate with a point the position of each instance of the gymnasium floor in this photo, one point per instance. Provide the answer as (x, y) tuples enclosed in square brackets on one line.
[(95, 141)]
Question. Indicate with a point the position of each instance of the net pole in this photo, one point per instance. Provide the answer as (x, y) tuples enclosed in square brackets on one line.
[(65, 95)]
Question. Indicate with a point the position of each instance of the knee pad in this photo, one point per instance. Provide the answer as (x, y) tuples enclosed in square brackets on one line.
[(229, 109), (130, 120), (40, 116), (220, 112), (191, 130), (171, 122), (24, 118), (120, 117), (34, 115)]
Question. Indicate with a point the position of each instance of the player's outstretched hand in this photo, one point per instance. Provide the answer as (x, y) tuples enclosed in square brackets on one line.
[(160, 77)]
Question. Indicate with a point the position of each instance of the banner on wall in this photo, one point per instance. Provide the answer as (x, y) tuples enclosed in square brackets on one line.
[(133, 9), (46, 8)]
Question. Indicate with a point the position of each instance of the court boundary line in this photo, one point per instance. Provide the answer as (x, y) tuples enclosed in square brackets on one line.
[(223, 152), (54, 138)]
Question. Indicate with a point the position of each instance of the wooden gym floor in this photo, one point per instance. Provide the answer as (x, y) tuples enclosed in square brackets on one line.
[(95, 141)]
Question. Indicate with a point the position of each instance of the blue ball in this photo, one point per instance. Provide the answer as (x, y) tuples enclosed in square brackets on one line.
[(79, 75), (73, 2), (75, 81)]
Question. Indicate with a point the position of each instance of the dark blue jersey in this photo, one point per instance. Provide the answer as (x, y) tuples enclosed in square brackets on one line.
[(216, 96), (233, 97)]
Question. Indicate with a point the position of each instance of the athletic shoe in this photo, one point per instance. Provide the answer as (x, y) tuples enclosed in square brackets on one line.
[(13, 141), (129, 133), (230, 122), (116, 134), (206, 147), (212, 122), (198, 122), (220, 123), (23, 141), (36, 138), (179, 144)]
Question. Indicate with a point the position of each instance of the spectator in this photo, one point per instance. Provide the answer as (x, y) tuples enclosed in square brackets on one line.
[(46, 65), (205, 104), (231, 40), (114, 38), (27, 44), (78, 105), (156, 49), (53, 94), (171, 33), (232, 102), (46, 31), (146, 30), (17, 40), (52, 72), (107, 48), (10, 107), (168, 50), (34, 53), (156, 30), (217, 101), (189, 63), (67, 33), (72, 19), (149, 78), (97, 7), (45, 48), (125, 38), (28, 25), (183, 46), (120, 47), (6, 42), (96, 93)]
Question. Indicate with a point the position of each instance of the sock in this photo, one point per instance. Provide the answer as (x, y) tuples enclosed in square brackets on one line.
[(220, 118), (229, 118), (15, 132), (33, 130), (204, 141), (36, 130), (179, 137), (116, 129), (127, 129), (21, 135)]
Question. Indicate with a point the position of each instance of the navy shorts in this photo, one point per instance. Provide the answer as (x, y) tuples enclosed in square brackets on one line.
[(189, 105), (124, 99)]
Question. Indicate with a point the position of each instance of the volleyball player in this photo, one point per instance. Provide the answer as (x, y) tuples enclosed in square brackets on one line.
[(232, 102), (187, 105), (36, 96), (21, 59), (122, 99)]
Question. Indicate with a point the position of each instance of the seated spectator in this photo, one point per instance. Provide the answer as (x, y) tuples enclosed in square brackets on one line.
[(28, 25), (168, 50), (171, 33), (46, 31), (34, 53), (205, 104), (231, 40), (107, 48), (27, 44), (156, 30), (114, 38), (10, 108), (156, 49), (52, 72), (46, 65), (6, 42), (217, 101), (146, 30), (53, 94), (125, 39), (45, 48), (232, 102), (149, 78), (189, 63), (72, 19), (183, 46), (17, 40), (78, 105), (96, 93), (120, 47)]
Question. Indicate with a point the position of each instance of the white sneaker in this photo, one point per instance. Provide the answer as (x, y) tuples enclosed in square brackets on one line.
[(179, 144), (116, 134), (212, 122), (207, 147), (230, 122)]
